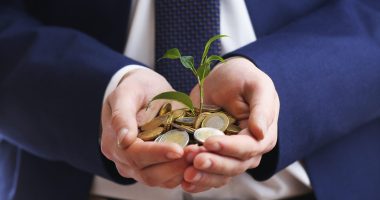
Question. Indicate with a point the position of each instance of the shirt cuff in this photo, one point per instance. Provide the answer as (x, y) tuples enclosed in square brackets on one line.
[(117, 77)]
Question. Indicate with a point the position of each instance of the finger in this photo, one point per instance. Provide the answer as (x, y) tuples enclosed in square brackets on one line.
[(124, 104), (216, 164), (270, 140), (145, 115), (238, 108), (262, 107), (191, 151), (173, 182), (105, 119), (107, 139), (192, 188), (126, 171), (243, 123), (268, 143), (158, 175), (240, 146), (143, 154), (203, 179)]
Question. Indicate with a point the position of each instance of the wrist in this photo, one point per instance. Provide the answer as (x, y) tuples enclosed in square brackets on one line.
[(130, 72)]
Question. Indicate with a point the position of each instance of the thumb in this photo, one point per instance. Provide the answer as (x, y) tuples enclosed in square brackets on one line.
[(124, 106), (257, 123), (262, 113)]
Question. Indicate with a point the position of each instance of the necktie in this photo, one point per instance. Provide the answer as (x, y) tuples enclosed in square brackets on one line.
[(186, 25)]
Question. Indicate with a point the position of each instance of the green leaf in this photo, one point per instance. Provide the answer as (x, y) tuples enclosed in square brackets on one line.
[(213, 58), (172, 54), (203, 71), (176, 96), (208, 44), (187, 61)]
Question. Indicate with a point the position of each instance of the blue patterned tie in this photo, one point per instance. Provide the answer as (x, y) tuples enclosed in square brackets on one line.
[(186, 25)]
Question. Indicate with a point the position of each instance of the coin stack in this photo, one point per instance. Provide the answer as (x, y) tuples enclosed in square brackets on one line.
[(185, 127)]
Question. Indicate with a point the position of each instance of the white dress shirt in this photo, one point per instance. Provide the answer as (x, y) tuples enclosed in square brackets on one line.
[(234, 22)]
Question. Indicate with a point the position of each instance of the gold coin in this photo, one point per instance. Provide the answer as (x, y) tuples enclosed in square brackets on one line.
[(178, 113), (183, 128), (209, 108), (202, 134), (217, 120), (231, 119), (168, 122), (188, 121), (154, 123), (232, 129), (199, 119), (167, 107), (175, 136), (150, 134)]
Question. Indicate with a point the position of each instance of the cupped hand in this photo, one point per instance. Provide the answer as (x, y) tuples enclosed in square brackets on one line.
[(249, 95), (124, 110)]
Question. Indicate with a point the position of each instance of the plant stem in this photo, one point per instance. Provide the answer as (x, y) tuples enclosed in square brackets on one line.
[(200, 83)]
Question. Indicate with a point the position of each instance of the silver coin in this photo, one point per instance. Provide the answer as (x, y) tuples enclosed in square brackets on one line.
[(174, 136), (202, 134), (216, 120), (158, 138)]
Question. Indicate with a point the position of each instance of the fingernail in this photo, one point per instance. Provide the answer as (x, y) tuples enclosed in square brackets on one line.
[(197, 177), (214, 146), (173, 155), (122, 134), (190, 157), (206, 164)]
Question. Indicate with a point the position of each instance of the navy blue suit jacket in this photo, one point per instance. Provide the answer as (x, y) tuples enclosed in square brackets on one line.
[(56, 58)]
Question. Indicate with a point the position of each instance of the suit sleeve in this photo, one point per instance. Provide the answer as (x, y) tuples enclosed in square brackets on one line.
[(52, 82), (325, 67)]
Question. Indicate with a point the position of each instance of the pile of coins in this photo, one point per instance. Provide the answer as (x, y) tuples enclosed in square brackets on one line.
[(185, 127)]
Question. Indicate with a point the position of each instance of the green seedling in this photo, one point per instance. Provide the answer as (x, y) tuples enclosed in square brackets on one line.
[(199, 72)]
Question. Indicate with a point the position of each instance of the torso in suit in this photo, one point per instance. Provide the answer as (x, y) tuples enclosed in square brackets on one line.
[(56, 59)]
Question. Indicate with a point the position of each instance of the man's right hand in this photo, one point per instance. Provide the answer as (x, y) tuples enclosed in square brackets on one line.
[(151, 163)]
